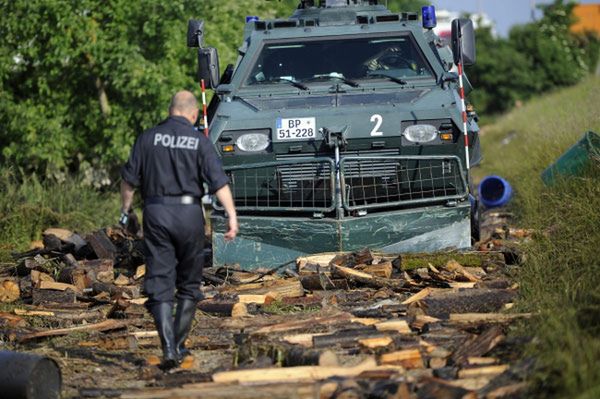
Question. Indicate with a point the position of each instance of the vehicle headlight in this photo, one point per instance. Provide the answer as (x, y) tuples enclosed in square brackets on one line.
[(420, 133), (252, 142)]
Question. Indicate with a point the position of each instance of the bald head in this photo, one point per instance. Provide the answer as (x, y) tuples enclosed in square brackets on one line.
[(184, 104)]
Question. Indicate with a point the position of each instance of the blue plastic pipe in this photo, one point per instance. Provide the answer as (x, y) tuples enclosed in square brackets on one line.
[(494, 192)]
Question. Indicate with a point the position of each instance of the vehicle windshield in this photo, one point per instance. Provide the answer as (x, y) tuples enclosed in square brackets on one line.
[(353, 59)]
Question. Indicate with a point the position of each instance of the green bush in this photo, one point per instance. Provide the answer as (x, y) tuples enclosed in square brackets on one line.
[(29, 205), (537, 57)]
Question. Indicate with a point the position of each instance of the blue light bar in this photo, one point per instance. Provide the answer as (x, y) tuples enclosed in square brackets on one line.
[(429, 19), (252, 18)]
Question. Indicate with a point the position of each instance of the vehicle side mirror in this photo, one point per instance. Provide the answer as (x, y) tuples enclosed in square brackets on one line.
[(208, 66), (463, 41), (195, 33)]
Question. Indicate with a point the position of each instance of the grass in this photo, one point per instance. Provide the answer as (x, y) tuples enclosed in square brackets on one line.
[(560, 277), (28, 206)]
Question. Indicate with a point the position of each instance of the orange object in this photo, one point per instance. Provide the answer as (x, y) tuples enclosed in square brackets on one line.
[(588, 18)]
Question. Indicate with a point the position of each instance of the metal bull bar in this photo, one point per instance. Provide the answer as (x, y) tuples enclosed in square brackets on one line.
[(365, 182)]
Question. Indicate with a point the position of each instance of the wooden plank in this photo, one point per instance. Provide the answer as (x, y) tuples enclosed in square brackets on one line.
[(397, 325), (299, 324), (102, 326), (368, 280), (486, 371), (51, 285), (290, 287), (466, 318), (418, 296), (39, 296), (261, 299), (299, 373), (305, 340), (27, 312)]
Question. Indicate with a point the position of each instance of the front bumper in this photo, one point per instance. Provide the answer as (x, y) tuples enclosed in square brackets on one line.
[(270, 241)]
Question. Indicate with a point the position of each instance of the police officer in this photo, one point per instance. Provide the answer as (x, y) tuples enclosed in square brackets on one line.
[(170, 163)]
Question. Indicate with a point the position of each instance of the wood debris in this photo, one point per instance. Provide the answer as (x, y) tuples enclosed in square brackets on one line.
[(359, 323)]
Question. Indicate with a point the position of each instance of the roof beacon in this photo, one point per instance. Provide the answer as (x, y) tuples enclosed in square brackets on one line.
[(429, 19), (251, 18), (336, 3)]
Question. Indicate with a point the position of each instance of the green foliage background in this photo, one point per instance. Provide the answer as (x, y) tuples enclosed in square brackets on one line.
[(79, 79), (535, 58)]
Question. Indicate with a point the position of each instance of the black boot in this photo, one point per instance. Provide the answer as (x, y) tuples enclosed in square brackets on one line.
[(184, 316), (163, 318)]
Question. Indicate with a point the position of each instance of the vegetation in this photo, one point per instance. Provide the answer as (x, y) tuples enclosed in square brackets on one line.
[(562, 272), (29, 205), (535, 58)]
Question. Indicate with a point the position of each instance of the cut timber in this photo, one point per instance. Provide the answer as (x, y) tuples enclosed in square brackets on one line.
[(51, 285), (260, 299), (322, 260), (408, 358), (102, 245), (106, 325), (466, 318), (140, 272), (479, 345), (290, 287), (27, 312), (9, 291), (321, 281), (99, 270), (66, 236), (435, 388), (75, 275), (368, 280), (239, 310), (399, 326), (481, 361), (376, 342), (442, 303), (346, 338), (487, 371), (455, 267), (307, 323), (300, 373), (39, 296), (37, 277), (305, 340), (418, 296), (383, 270), (121, 280)]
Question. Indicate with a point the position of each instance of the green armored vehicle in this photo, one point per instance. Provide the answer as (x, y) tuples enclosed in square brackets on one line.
[(341, 128)]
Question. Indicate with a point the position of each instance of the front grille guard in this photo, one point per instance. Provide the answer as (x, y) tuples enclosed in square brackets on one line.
[(367, 182), (297, 185), (375, 182)]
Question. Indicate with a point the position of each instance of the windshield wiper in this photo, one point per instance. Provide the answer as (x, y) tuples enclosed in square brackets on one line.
[(292, 82), (392, 78), (333, 75)]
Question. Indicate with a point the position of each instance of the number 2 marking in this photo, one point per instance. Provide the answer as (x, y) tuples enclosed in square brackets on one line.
[(378, 119)]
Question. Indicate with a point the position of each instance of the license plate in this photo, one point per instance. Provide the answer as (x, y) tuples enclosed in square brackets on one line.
[(296, 129)]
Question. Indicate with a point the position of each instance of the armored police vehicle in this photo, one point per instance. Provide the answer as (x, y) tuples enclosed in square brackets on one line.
[(342, 127)]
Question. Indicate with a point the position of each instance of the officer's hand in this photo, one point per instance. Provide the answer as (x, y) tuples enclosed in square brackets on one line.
[(233, 229)]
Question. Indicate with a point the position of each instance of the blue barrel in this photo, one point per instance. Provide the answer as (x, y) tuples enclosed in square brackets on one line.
[(494, 192), (575, 160)]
